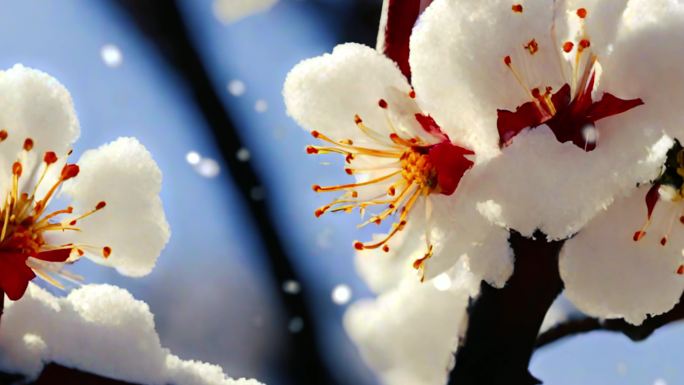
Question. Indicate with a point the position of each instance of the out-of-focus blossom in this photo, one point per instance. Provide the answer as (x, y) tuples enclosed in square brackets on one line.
[(99, 329), (229, 11), (115, 217)]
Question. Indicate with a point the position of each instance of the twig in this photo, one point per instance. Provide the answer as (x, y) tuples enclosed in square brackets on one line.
[(635, 333)]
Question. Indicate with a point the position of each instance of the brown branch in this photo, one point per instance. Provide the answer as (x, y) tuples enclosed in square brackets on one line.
[(635, 333), (504, 323)]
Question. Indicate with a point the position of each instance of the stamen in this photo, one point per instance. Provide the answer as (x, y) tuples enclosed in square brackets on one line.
[(28, 144), (517, 8), (318, 188), (3, 135)]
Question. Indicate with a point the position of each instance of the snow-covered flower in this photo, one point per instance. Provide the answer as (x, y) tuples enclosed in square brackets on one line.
[(229, 11), (111, 212), (604, 126), (550, 82), (410, 169), (99, 329)]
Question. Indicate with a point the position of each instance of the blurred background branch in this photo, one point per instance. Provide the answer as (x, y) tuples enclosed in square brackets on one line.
[(163, 24)]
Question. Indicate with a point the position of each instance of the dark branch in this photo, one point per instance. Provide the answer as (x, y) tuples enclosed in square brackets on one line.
[(635, 333), (163, 24), (504, 323)]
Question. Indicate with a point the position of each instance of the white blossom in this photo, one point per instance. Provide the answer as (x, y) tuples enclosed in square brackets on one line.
[(111, 211), (410, 170), (230, 11)]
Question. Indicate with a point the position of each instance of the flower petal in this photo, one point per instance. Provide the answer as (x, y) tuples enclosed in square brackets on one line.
[(408, 335), (33, 105), (383, 271), (646, 63), (100, 329), (607, 274), (457, 58), (539, 183), (124, 175), (457, 229), (325, 93)]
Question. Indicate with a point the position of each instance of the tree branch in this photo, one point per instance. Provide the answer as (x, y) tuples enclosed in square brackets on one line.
[(504, 323), (163, 24), (635, 333)]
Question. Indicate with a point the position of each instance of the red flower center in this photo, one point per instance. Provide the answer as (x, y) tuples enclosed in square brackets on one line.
[(24, 222), (570, 117), (409, 165)]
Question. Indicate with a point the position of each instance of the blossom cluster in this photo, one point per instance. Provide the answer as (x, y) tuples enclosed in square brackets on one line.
[(552, 116)]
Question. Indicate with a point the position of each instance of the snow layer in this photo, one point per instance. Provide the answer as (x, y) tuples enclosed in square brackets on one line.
[(100, 329)]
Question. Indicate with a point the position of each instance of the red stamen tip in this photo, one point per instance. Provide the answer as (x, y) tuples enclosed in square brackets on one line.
[(349, 171), (568, 46), (584, 43), (385, 248), (582, 13), (412, 94), (72, 223), (315, 134), (536, 93), (358, 245), (17, 169), (377, 221), (517, 8), (100, 205), (638, 235), (382, 103), (391, 191), (50, 157), (316, 188), (663, 241), (507, 60), (69, 209), (106, 251), (311, 150), (357, 119), (532, 46), (80, 252), (680, 270), (28, 144), (3, 135), (354, 194), (69, 171), (681, 219), (319, 212)]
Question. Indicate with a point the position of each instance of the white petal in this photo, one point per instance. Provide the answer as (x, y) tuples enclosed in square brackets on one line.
[(408, 335), (383, 271), (457, 57), (646, 64), (608, 274), (133, 224), (539, 183), (458, 229), (99, 329), (326, 92), (601, 25), (33, 105), (562, 310)]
